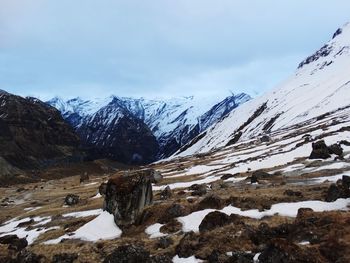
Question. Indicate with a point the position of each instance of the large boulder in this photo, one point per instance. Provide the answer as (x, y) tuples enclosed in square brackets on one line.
[(127, 195), (14, 242), (217, 219), (321, 151), (339, 190)]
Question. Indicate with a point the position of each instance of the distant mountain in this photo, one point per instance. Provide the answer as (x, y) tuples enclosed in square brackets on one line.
[(33, 135), (149, 129), (320, 85)]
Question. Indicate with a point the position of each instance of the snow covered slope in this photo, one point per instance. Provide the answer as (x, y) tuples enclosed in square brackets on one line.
[(173, 122), (320, 85)]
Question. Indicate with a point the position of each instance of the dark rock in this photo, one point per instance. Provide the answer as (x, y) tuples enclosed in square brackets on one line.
[(64, 258), (188, 245), (335, 149), (14, 242), (175, 210), (339, 190), (346, 181), (84, 177), (171, 227), (166, 193), (217, 219), (259, 175), (227, 176), (26, 223), (319, 150), (128, 254), (200, 190), (282, 251), (293, 193), (102, 189), (217, 257), (127, 196), (26, 256), (265, 138), (241, 257), (211, 201), (164, 242), (71, 199)]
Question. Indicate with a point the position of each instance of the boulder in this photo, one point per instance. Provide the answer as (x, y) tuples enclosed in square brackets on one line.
[(64, 258), (217, 219), (71, 199), (175, 210), (14, 242), (265, 138), (188, 245), (339, 190), (166, 193), (199, 190), (346, 181), (84, 177), (335, 149), (128, 254), (127, 196), (319, 150), (165, 242), (282, 251), (259, 175), (211, 201)]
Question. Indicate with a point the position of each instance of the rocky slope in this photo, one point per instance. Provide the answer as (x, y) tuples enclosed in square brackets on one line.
[(33, 135), (173, 122), (319, 86)]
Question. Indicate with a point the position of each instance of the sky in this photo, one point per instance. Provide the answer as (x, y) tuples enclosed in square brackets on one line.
[(158, 48)]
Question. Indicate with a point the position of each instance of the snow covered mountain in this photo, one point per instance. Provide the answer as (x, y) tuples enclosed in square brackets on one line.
[(173, 122), (320, 86)]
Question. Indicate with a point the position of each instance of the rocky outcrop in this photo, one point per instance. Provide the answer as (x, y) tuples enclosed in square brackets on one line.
[(127, 195), (14, 242), (339, 190), (34, 135), (321, 151)]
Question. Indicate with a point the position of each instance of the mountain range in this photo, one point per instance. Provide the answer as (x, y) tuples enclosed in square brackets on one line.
[(142, 130)]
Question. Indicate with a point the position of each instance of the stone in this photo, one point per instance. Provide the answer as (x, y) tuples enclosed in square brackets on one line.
[(188, 245), (282, 251), (64, 258), (84, 177), (127, 196), (242, 257), (259, 175), (166, 193), (333, 193), (217, 219), (71, 199), (265, 138), (164, 242), (346, 181), (200, 190), (319, 150), (211, 201), (335, 149), (14, 242), (128, 254)]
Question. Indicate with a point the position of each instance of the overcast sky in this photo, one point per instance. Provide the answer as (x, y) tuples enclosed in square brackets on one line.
[(157, 48)]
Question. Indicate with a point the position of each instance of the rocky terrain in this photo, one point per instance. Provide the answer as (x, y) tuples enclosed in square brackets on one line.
[(33, 136), (281, 198)]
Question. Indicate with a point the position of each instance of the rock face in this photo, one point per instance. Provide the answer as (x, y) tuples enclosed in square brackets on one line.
[(34, 135), (127, 195)]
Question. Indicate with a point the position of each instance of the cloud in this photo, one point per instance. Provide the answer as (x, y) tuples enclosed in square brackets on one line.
[(136, 47)]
